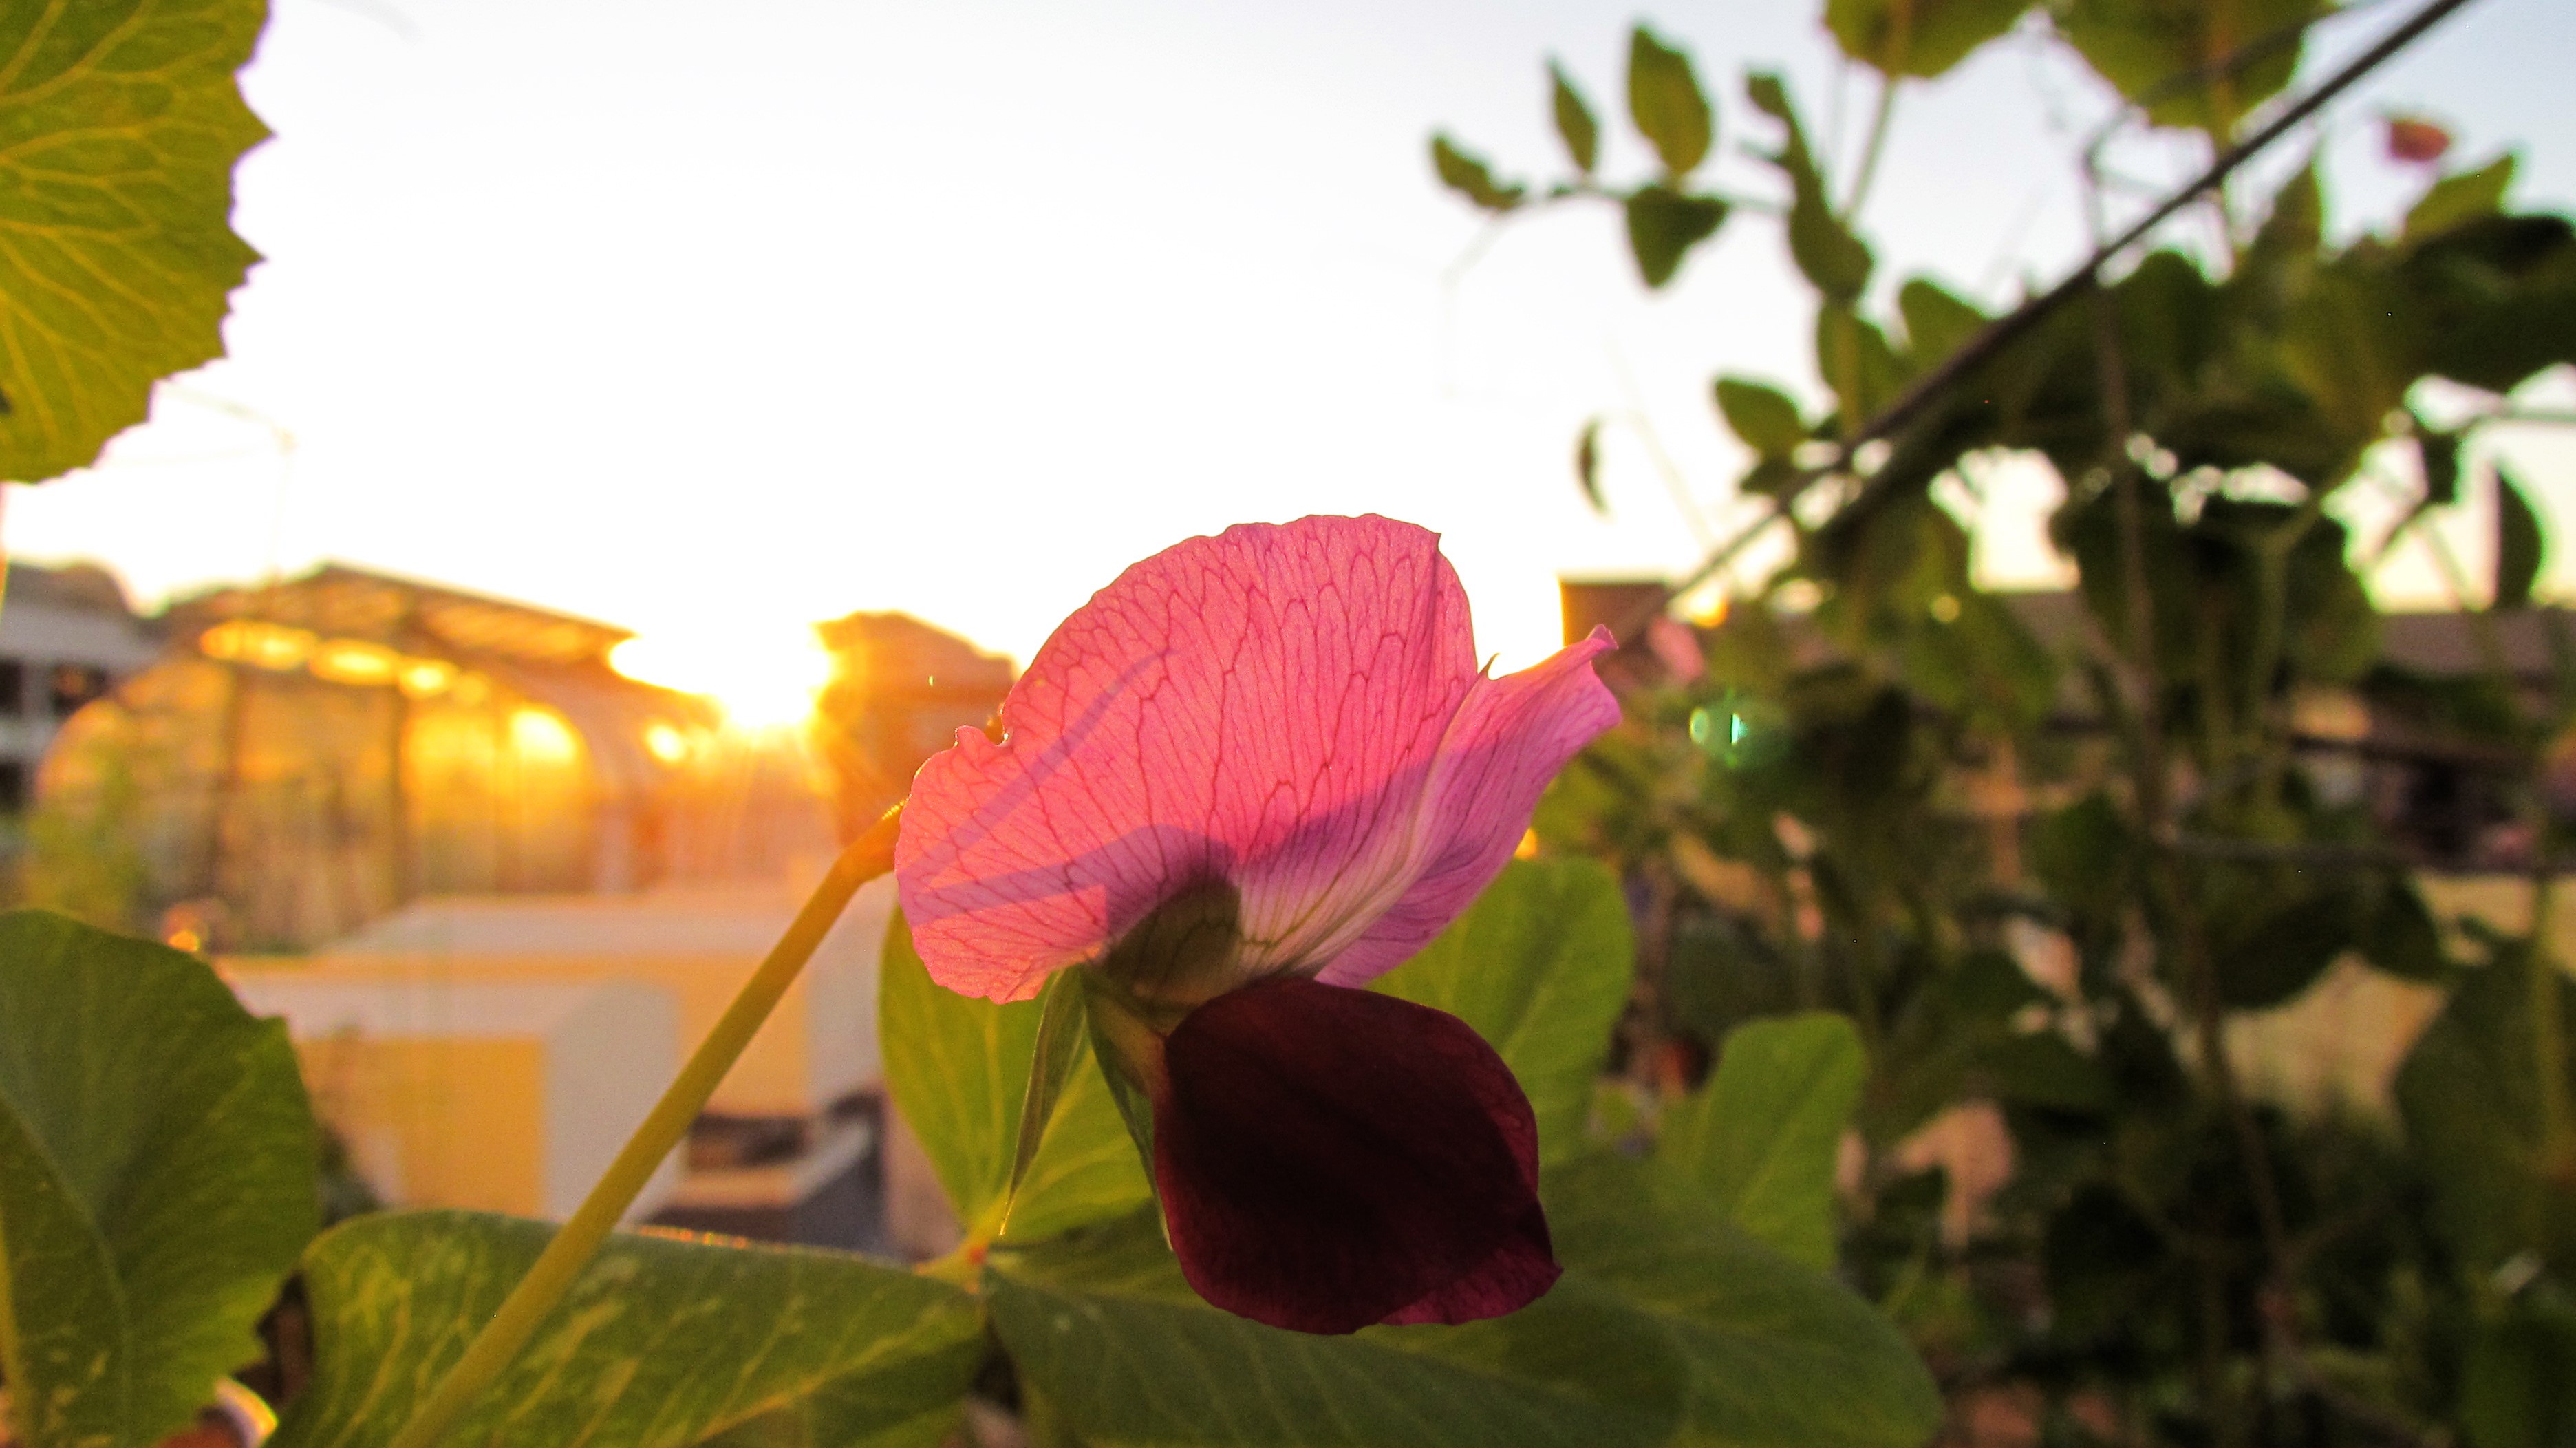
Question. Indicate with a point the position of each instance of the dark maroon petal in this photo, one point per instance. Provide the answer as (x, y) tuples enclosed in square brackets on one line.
[(1330, 1158)]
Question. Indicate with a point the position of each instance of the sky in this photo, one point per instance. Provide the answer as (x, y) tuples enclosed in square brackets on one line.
[(713, 321)]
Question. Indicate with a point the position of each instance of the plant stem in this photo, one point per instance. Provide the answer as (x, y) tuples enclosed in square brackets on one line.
[(1870, 149), (871, 855)]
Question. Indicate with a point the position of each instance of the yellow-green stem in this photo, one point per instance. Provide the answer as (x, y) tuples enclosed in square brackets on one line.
[(573, 1247)]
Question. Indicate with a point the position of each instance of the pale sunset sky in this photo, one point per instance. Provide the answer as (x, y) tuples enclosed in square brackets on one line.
[(715, 320)]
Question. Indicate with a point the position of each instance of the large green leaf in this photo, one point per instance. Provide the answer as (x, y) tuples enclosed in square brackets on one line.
[(1540, 965), (155, 1128), (1668, 1327), (664, 1341), (1105, 1328), (1917, 37), (1758, 1142), (1777, 1353), (958, 1069), (119, 126), (1666, 102)]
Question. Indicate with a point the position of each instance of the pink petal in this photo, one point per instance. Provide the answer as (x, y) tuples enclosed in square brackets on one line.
[(1330, 1158), (1266, 707), (1510, 738)]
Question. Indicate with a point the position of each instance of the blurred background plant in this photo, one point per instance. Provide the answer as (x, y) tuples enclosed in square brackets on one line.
[(2137, 894)]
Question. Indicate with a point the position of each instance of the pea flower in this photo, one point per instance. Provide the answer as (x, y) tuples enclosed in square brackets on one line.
[(1253, 773)]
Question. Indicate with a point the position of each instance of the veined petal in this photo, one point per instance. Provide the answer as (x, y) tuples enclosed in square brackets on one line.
[(1267, 707), (1508, 740), (1331, 1158)]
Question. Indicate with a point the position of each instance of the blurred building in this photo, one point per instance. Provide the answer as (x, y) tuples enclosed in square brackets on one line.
[(451, 1046), (66, 636), (900, 691), (302, 758)]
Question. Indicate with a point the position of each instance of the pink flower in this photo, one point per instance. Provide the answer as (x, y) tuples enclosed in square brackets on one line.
[(1252, 773)]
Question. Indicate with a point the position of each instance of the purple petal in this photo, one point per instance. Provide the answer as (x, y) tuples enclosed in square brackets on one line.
[(1331, 1158)]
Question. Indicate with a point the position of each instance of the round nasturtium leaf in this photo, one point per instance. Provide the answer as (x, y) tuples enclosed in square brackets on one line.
[(119, 126)]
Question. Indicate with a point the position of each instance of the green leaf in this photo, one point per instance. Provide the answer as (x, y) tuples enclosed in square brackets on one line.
[(1919, 38), (119, 124), (1062, 1030), (2459, 198), (62, 1318), (2517, 543), (1587, 465), (1664, 224), (1937, 323), (1832, 259), (1574, 123), (159, 1123), (2516, 1391), (1469, 176), (1106, 1329), (2179, 58), (959, 1069), (1540, 966), (627, 1357), (1665, 101), (1761, 416), (1853, 358), (2470, 1094), (1777, 1353), (1758, 1142)]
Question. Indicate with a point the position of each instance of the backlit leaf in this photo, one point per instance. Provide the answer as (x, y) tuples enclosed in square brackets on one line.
[(155, 1121), (1832, 259), (958, 1068), (119, 126), (1540, 966), (663, 1342), (1758, 1141), (2180, 58)]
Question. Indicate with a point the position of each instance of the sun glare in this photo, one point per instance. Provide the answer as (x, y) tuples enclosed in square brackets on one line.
[(762, 677)]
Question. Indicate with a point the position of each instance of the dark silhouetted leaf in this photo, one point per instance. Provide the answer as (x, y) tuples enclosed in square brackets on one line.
[(1666, 102), (2518, 546), (1664, 224), (1470, 177), (2439, 453), (1761, 416), (1833, 260), (1574, 122), (1917, 37), (2470, 1092), (1587, 466)]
